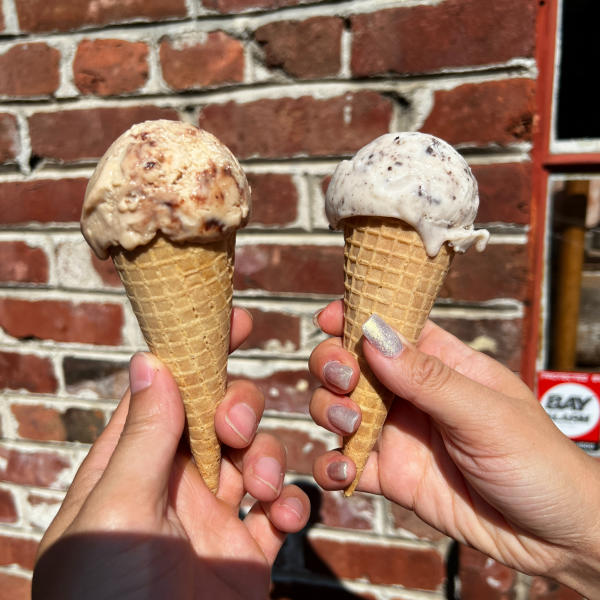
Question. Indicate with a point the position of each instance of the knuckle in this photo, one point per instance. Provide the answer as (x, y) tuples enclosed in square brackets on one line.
[(430, 372)]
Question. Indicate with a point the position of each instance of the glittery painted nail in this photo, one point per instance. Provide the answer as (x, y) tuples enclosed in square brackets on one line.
[(337, 374), (338, 471), (382, 336), (315, 318), (342, 417)]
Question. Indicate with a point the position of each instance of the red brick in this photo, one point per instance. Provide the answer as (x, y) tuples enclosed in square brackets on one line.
[(482, 577), (547, 589), (303, 49), (500, 112), (41, 201), (392, 565), (104, 379), (29, 70), (286, 391), (504, 192), (27, 371), (453, 33), (232, 6), (8, 510), (20, 263), (296, 126), (335, 510), (17, 551), (9, 138), (187, 66), (274, 199), (58, 135), (110, 67), (407, 520), (501, 271), (273, 327), (14, 587), (63, 15), (499, 338), (61, 321), (31, 468), (299, 269), (302, 449), (39, 422), (107, 271)]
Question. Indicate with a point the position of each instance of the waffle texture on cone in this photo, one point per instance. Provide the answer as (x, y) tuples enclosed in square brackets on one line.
[(154, 276), (388, 273)]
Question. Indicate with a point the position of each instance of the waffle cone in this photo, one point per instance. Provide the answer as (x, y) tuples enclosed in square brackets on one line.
[(388, 273), (181, 295)]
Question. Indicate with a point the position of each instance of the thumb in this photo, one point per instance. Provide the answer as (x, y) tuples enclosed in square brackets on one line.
[(145, 452), (432, 386)]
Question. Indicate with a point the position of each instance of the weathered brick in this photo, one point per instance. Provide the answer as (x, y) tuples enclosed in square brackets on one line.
[(499, 338), (27, 371), (301, 269), (453, 33), (64, 15), (37, 422), (102, 379), (299, 126), (9, 138), (2, 24), (273, 331), (107, 271), (29, 70), (411, 567), (302, 449), (335, 510), (57, 135), (21, 263), (41, 510), (499, 112), (17, 551), (41, 201), (62, 321), (501, 271), (110, 67), (8, 510), (303, 49), (31, 468), (274, 199), (202, 60), (482, 577), (14, 587), (504, 192), (547, 589), (406, 520), (285, 391), (232, 6)]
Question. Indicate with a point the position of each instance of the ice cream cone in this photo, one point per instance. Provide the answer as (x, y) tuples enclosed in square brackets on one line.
[(388, 273), (181, 294)]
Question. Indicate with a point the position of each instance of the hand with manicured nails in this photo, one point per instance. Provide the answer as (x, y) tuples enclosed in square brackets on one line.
[(466, 446), (138, 521)]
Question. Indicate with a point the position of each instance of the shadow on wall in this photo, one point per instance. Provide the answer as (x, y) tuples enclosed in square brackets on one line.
[(298, 565)]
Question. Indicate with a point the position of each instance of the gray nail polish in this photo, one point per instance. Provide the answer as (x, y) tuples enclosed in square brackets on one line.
[(342, 417), (338, 471), (382, 336), (337, 374), (315, 318)]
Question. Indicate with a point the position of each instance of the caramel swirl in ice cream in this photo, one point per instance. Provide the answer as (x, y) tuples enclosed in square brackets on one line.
[(164, 176)]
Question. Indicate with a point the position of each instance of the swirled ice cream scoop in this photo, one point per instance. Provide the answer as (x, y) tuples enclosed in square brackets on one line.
[(414, 177), (164, 176)]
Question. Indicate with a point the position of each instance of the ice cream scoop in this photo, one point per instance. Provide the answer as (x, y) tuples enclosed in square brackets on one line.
[(406, 202), (165, 202)]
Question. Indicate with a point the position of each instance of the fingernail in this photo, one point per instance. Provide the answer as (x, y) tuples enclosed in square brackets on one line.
[(337, 374), (315, 318), (268, 470), (142, 371), (338, 471), (295, 506), (382, 336), (342, 417), (242, 419)]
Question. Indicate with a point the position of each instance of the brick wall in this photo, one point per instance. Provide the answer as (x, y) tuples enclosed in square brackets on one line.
[(291, 86)]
